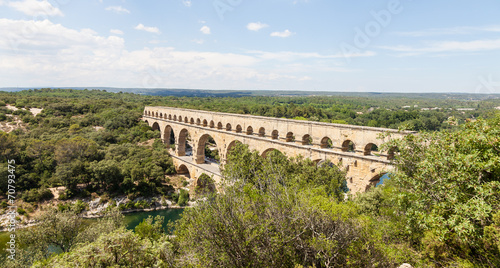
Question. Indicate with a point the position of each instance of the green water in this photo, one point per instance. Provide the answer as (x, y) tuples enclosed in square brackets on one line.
[(131, 221)]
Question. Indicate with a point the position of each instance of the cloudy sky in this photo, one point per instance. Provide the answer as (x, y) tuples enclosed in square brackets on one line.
[(327, 45)]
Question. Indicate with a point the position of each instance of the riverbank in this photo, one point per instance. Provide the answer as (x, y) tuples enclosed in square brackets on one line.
[(90, 208)]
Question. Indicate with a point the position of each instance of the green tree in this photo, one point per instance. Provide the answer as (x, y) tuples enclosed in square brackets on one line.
[(449, 189)]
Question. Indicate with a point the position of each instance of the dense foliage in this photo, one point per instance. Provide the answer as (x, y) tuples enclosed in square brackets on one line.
[(87, 141), (439, 209)]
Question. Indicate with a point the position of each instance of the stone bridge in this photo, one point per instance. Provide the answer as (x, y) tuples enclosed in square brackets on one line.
[(355, 148)]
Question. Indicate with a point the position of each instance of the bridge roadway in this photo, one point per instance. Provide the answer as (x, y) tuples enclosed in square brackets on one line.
[(355, 148)]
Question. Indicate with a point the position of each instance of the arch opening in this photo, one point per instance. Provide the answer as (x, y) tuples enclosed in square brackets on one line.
[(205, 123), (184, 171), (198, 121), (228, 127), (290, 137), (262, 132), (207, 151), (348, 146), (219, 125), (186, 120), (392, 153), (212, 124), (249, 130), (377, 180), (326, 143), (184, 143), (180, 118), (155, 126), (271, 151), (191, 121), (204, 185), (238, 129), (169, 137), (275, 135), (306, 140), (371, 147)]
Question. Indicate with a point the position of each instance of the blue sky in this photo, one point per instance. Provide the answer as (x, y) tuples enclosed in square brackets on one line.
[(326, 45)]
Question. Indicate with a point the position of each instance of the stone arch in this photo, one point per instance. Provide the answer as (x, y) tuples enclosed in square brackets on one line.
[(180, 118), (169, 117), (191, 121), (230, 147), (198, 121), (175, 117), (262, 132), (392, 153), (306, 140), (146, 121), (228, 127), (186, 120), (204, 184), (183, 142), (219, 125), (169, 137), (145, 112), (205, 123), (156, 126), (183, 170), (348, 146), (275, 134), (212, 124), (326, 143), (161, 115), (238, 129), (369, 148), (156, 114), (266, 152), (323, 162), (290, 137), (249, 130), (376, 180), (201, 157)]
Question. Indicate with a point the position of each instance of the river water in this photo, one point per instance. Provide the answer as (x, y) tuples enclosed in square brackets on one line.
[(131, 221)]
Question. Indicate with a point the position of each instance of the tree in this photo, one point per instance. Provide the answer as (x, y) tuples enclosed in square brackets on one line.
[(449, 189)]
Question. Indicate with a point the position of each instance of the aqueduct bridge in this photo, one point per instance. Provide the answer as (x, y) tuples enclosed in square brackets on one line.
[(353, 147)]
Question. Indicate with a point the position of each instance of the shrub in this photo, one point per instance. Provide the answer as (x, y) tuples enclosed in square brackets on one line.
[(21, 211), (183, 197), (79, 206)]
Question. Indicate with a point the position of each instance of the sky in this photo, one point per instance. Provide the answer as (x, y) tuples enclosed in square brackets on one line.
[(310, 45)]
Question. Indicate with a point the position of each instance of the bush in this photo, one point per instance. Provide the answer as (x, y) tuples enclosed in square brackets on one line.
[(183, 197), (79, 206), (21, 211), (37, 195)]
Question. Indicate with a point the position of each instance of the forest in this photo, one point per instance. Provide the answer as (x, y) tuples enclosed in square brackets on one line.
[(439, 209)]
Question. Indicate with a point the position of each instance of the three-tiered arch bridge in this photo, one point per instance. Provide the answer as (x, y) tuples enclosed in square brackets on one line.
[(188, 132)]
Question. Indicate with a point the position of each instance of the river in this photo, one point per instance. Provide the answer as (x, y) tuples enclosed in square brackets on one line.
[(131, 221)]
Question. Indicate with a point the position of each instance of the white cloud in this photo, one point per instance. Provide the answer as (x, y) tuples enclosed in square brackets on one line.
[(205, 29), (116, 31), (53, 55), (447, 46), (294, 56), (198, 41), (118, 9), (186, 3), (284, 34), (35, 8), (256, 26), (141, 27), (451, 31)]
